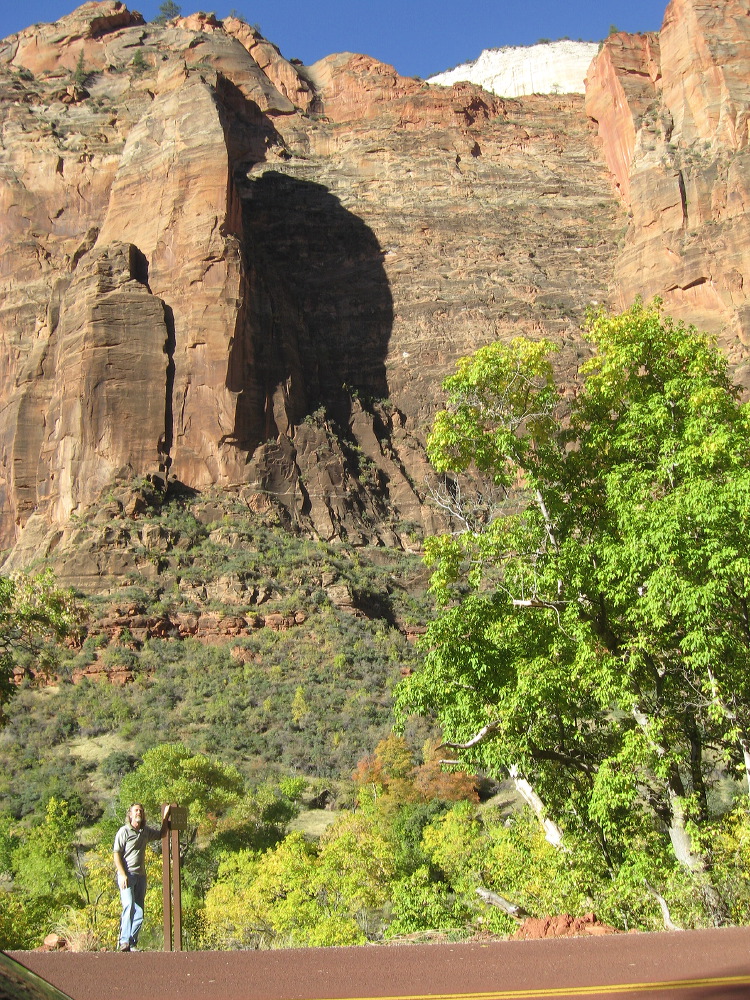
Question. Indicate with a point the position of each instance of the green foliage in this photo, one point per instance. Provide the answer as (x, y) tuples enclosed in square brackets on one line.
[(596, 635), (168, 11), (172, 773), (496, 393), (271, 901), (139, 63), (455, 844), (232, 700), (34, 615), (23, 921), (40, 863), (117, 764), (260, 818), (80, 73), (419, 904), (227, 922), (729, 841), (521, 865), (299, 895)]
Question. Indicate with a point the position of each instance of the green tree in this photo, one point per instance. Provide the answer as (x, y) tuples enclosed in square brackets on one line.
[(595, 642), (171, 772), (80, 74), (43, 879), (168, 11), (299, 894), (300, 708), (139, 63), (35, 614), (420, 904), (259, 819), (42, 864)]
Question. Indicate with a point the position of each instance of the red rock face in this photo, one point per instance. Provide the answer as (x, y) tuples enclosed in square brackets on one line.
[(105, 366), (58, 46), (562, 926), (356, 87), (675, 136), (705, 48), (282, 74), (120, 259), (621, 84), (189, 240), (217, 265)]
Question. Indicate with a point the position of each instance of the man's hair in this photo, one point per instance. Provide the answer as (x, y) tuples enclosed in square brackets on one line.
[(131, 807)]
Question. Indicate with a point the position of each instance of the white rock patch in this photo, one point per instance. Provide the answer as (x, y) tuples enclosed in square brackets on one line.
[(546, 68)]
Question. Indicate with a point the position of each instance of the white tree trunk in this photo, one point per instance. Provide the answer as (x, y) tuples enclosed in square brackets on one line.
[(552, 832), (682, 842), (746, 757)]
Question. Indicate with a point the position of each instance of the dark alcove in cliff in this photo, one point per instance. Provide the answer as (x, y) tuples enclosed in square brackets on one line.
[(318, 313)]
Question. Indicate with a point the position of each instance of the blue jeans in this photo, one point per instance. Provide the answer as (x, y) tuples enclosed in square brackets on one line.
[(132, 900)]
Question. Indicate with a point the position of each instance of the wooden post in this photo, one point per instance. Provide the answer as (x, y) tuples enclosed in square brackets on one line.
[(171, 877), (166, 891), (176, 891)]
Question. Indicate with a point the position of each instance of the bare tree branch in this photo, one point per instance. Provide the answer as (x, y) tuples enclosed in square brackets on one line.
[(534, 602), (489, 730), (494, 899), (474, 510), (552, 832), (563, 758), (668, 922)]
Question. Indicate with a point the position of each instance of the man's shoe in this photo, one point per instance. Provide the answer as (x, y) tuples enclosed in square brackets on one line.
[(133, 948), (125, 947)]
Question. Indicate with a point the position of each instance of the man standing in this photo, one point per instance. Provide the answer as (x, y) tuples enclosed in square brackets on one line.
[(130, 862)]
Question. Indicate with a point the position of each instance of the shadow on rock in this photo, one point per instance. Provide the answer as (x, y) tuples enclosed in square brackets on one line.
[(318, 313)]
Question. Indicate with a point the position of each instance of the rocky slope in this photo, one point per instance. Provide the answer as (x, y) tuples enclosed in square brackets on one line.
[(227, 269)]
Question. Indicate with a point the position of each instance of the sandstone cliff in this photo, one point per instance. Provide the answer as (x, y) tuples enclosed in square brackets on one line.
[(225, 268), (672, 111)]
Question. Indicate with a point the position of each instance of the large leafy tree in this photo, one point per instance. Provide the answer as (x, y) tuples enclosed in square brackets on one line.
[(171, 772), (595, 637)]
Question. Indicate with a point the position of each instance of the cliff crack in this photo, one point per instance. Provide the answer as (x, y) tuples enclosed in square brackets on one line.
[(165, 443), (683, 198)]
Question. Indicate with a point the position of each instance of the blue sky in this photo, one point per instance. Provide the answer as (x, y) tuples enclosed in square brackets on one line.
[(418, 37)]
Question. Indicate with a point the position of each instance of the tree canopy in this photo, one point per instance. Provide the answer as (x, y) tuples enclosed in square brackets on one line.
[(171, 772), (595, 634), (168, 11)]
